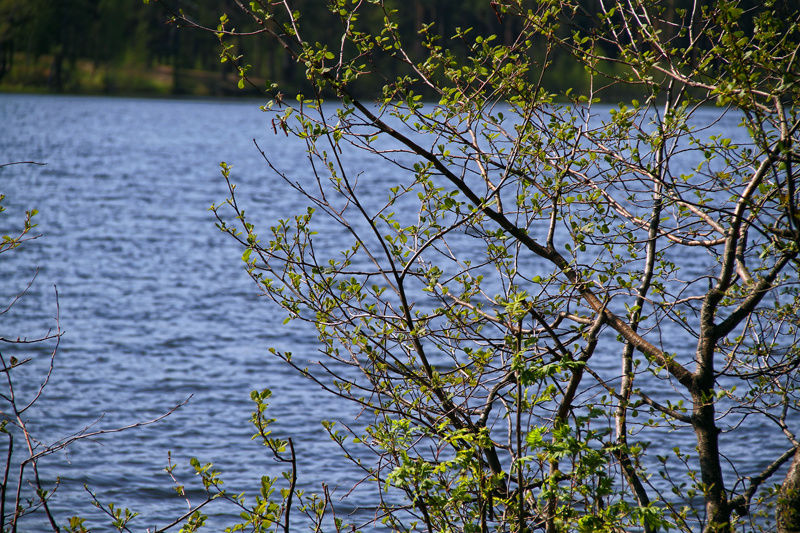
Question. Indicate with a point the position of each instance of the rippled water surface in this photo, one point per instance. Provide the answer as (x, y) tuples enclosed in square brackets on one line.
[(154, 303), (153, 300)]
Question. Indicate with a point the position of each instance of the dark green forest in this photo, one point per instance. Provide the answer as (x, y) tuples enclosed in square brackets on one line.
[(105, 46), (127, 47)]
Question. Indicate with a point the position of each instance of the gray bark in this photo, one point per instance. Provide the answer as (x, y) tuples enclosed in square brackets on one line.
[(788, 511)]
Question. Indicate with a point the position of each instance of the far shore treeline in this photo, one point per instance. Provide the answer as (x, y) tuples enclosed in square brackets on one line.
[(128, 48)]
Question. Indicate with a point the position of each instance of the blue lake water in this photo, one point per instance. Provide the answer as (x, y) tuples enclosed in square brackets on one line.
[(154, 303)]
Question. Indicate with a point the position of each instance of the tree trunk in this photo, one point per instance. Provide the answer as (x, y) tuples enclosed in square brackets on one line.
[(6, 57), (717, 508), (55, 79), (419, 20), (788, 511), (177, 63)]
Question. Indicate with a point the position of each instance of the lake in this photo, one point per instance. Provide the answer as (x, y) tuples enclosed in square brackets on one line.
[(154, 303)]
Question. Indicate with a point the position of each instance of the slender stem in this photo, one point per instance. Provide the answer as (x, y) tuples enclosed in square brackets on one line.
[(520, 479), (292, 485), (5, 479)]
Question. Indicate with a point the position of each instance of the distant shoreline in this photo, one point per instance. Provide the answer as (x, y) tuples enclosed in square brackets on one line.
[(35, 75), (84, 77)]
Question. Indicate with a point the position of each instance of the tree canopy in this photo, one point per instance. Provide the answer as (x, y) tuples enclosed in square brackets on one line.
[(548, 288)]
